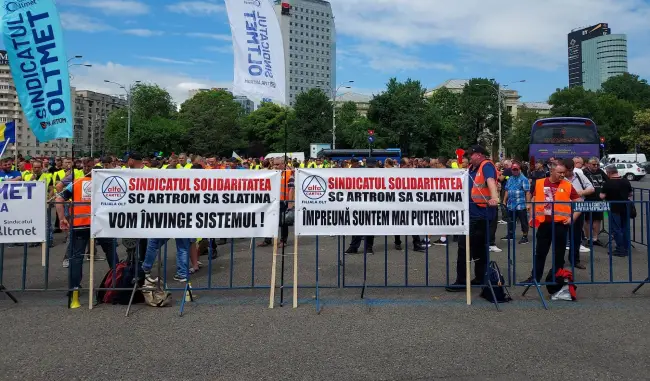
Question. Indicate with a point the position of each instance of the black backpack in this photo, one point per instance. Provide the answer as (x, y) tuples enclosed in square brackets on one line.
[(498, 281)]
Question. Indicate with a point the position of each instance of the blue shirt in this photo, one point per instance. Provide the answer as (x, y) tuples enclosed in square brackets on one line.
[(7, 175), (475, 211), (517, 186)]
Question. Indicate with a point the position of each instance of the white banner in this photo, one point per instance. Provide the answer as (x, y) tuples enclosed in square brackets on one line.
[(22, 211), (185, 203), (258, 50), (382, 201)]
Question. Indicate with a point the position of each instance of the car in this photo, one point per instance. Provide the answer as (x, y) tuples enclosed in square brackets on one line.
[(645, 165), (630, 171)]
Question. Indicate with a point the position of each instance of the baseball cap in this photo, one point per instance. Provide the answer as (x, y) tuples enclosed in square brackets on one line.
[(477, 149)]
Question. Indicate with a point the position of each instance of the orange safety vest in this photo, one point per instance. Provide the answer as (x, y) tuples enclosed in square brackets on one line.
[(285, 190), (81, 194), (480, 191), (562, 211)]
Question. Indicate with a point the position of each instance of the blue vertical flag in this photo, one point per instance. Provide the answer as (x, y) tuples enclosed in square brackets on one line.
[(7, 134), (33, 38)]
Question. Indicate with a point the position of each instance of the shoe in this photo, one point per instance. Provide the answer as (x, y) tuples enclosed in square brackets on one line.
[(179, 278), (580, 266), (440, 242), (419, 248), (148, 278), (352, 251), (66, 263), (523, 240), (619, 254), (192, 270), (495, 249), (476, 282), (370, 251), (199, 263), (456, 287), (398, 246), (598, 243), (502, 222), (506, 238), (584, 249)]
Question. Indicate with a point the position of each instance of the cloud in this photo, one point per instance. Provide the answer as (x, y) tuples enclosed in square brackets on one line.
[(114, 7), (78, 22), (143, 32), (218, 37), (538, 28), (165, 60), (385, 58), (178, 84), (196, 8), (226, 49), (201, 60)]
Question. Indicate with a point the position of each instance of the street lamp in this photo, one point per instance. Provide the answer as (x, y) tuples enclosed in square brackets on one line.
[(334, 94), (128, 100), (499, 99), (75, 58)]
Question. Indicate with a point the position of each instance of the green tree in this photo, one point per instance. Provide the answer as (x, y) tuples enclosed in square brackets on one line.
[(518, 141), (630, 88), (212, 122), (148, 101), (574, 101), (312, 120), (443, 116), (638, 136), (398, 114), (264, 129), (613, 118)]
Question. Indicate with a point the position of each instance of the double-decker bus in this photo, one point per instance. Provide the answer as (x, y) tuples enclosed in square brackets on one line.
[(564, 137), (360, 154)]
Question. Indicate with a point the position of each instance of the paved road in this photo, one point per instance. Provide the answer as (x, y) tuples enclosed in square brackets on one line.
[(394, 334)]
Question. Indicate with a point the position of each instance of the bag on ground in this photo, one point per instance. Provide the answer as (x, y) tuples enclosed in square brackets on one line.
[(123, 278), (501, 294), (156, 297)]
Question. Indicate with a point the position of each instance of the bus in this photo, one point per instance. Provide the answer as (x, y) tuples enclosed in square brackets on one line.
[(360, 154), (565, 138)]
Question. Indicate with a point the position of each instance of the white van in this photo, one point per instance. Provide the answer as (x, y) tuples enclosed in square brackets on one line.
[(625, 158)]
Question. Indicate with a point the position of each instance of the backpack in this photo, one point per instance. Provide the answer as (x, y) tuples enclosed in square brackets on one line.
[(124, 275), (497, 280), (156, 297)]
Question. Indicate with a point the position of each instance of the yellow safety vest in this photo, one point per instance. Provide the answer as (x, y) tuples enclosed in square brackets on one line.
[(78, 174), (311, 165), (59, 175), (302, 165), (45, 177), (186, 166), (165, 166)]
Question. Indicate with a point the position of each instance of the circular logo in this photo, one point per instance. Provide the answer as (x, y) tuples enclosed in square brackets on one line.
[(11, 6), (114, 188), (256, 3), (314, 187)]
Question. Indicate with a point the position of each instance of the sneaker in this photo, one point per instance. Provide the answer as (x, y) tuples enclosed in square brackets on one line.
[(583, 249), (370, 251), (440, 242), (398, 246), (506, 238), (456, 287), (192, 270), (419, 248), (502, 222), (66, 263), (495, 249), (148, 278), (523, 240), (179, 278), (199, 263), (352, 251), (598, 243)]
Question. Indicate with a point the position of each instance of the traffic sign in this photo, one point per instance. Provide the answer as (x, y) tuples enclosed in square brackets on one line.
[(371, 139), (371, 132)]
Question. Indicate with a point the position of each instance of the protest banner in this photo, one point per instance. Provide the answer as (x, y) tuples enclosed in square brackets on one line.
[(381, 201), (22, 212), (128, 203)]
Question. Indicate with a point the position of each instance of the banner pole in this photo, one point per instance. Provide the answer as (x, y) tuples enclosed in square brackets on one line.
[(91, 277), (295, 272), (5, 147), (273, 275), (467, 272)]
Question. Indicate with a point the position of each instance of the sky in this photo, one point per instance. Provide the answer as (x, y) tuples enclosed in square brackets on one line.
[(183, 45)]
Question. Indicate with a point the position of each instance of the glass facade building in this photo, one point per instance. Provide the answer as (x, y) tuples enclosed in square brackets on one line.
[(603, 57)]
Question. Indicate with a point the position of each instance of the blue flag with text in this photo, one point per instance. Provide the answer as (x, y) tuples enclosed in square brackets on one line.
[(33, 38)]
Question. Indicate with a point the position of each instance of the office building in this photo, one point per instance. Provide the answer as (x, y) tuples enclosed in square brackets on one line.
[(510, 97), (309, 46), (91, 112), (595, 55), (362, 101), (10, 109), (247, 105), (542, 108)]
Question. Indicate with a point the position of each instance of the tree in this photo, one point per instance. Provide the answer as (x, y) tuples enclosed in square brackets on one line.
[(398, 114), (212, 122), (148, 101), (443, 115), (573, 101), (630, 88), (263, 129), (613, 118), (312, 122), (638, 136), (518, 141)]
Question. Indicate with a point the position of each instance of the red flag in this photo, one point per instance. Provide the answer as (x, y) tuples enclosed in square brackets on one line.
[(459, 155)]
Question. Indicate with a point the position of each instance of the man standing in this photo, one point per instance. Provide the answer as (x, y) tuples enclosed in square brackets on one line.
[(517, 194), (8, 174), (483, 201), (594, 220), (552, 215), (584, 188), (618, 189)]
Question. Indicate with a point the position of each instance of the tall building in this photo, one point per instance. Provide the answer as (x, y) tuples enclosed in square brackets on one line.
[(595, 55), (91, 112), (309, 46), (10, 109)]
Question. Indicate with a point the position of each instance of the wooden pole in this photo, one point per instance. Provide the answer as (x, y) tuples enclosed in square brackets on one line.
[(468, 270), (91, 295), (273, 271)]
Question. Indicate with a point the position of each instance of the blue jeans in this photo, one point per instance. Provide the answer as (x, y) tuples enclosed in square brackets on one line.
[(619, 230), (77, 246), (182, 254)]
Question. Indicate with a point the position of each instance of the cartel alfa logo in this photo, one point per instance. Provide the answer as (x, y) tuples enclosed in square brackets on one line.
[(314, 187), (114, 188), (256, 3), (16, 5)]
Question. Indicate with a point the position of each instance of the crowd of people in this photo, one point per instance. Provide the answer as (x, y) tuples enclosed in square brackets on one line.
[(508, 192)]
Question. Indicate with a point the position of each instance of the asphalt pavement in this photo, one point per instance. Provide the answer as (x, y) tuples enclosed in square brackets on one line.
[(394, 333)]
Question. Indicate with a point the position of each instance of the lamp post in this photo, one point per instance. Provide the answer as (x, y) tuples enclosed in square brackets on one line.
[(128, 100), (334, 94), (499, 99)]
